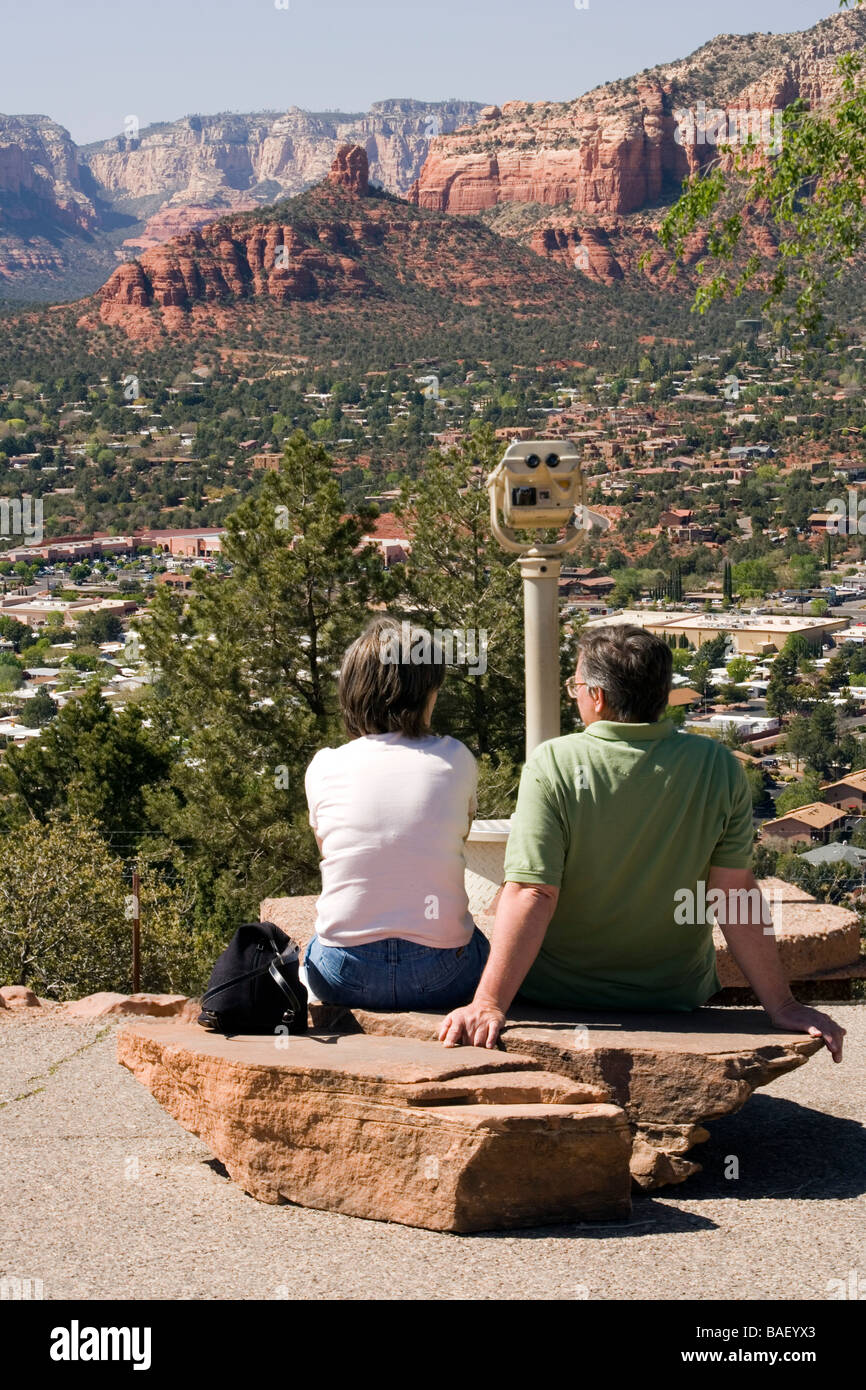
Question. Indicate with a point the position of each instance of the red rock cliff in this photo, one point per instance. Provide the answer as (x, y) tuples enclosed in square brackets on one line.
[(622, 149)]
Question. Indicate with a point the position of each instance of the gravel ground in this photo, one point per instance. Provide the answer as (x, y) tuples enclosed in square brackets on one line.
[(104, 1196)]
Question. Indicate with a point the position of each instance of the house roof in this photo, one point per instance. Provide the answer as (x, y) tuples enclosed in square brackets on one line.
[(817, 815), (603, 581), (835, 854), (684, 696), (386, 527), (857, 780)]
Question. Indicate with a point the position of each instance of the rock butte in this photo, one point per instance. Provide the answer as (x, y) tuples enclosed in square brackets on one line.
[(345, 244), (390, 1128)]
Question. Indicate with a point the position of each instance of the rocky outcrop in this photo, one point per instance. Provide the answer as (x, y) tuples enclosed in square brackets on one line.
[(227, 261), (390, 1129), (351, 170), (605, 153), (270, 154), (171, 222), (168, 178), (41, 177), (324, 252), (46, 201), (625, 148), (18, 997), (111, 1005)]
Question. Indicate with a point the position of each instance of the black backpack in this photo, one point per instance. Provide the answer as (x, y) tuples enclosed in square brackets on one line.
[(254, 986)]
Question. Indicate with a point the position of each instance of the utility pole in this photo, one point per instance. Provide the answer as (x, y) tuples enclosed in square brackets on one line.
[(134, 912)]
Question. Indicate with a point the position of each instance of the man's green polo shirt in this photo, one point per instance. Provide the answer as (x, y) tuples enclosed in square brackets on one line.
[(621, 818)]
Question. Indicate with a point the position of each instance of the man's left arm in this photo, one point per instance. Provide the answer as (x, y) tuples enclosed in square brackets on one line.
[(745, 922)]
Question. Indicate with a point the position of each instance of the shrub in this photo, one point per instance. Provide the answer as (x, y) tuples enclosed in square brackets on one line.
[(63, 925)]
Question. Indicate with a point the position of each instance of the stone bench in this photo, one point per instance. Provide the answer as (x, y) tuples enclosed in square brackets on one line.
[(370, 1116), (373, 1117), (392, 1128), (669, 1072)]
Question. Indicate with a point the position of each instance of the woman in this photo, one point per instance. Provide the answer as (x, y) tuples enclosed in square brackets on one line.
[(390, 810)]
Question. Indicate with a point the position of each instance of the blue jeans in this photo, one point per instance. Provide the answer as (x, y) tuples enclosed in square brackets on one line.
[(396, 976)]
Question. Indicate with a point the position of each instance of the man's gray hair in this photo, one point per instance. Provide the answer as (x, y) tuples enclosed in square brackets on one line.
[(631, 666)]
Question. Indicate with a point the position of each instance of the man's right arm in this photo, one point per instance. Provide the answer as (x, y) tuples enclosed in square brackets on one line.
[(522, 918), (534, 863), (752, 945), (743, 922)]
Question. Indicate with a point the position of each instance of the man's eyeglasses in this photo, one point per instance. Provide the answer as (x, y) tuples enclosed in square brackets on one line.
[(572, 686)]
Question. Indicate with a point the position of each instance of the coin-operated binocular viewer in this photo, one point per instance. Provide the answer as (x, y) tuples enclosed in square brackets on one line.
[(539, 485)]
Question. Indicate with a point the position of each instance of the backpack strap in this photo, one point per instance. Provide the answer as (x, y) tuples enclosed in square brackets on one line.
[(277, 975), (237, 980)]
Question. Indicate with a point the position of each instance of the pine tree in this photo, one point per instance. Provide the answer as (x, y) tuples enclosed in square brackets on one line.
[(247, 682), (88, 761), (458, 578)]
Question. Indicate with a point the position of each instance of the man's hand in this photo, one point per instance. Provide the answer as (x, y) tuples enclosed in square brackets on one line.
[(522, 918), (476, 1024), (798, 1018)]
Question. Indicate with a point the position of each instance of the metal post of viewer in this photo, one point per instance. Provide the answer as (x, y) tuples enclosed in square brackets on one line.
[(541, 647)]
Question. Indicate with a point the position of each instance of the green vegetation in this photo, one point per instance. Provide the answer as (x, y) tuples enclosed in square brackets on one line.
[(63, 930), (811, 192)]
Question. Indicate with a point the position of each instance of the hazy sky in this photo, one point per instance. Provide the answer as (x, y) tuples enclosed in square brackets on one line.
[(91, 63)]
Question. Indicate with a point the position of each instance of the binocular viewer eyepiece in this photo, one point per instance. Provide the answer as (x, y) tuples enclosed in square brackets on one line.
[(533, 460)]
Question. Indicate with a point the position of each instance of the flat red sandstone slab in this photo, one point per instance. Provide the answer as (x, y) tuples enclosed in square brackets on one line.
[(703, 1031)]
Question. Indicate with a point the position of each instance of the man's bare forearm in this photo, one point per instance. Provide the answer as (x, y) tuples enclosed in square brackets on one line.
[(757, 956), (522, 919)]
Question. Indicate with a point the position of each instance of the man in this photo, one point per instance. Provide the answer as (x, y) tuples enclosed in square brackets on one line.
[(612, 825)]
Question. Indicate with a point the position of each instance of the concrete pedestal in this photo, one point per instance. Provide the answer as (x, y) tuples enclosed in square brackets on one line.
[(485, 862)]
